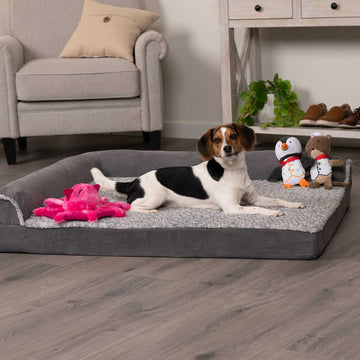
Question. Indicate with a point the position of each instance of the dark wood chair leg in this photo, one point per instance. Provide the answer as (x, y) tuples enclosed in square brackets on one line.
[(10, 150), (155, 140), (146, 136), (22, 143)]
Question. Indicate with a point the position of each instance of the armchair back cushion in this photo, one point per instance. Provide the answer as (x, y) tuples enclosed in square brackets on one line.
[(45, 26)]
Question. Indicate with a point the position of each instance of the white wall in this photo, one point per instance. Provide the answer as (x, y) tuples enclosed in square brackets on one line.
[(4, 18), (322, 64), (191, 70)]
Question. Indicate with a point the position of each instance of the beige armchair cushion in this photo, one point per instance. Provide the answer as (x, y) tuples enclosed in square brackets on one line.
[(106, 30), (77, 79)]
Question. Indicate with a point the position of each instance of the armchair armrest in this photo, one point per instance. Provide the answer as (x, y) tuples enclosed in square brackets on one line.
[(147, 37), (11, 60), (150, 48), (12, 50)]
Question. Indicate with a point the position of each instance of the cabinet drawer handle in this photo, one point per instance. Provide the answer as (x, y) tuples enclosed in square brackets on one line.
[(257, 8), (334, 5)]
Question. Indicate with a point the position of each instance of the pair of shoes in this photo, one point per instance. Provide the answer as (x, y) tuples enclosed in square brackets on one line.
[(352, 121), (317, 115)]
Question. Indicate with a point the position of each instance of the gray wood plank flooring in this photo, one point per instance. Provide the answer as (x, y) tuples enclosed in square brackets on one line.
[(92, 308)]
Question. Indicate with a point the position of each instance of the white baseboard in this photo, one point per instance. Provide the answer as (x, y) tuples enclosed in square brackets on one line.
[(186, 129)]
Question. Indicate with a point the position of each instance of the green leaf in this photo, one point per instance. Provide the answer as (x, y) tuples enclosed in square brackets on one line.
[(264, 98), (242, 109), (292, 98), (257, 85), (287, 84), (249, 120), (259, 104), (244, 95), (260, 89)]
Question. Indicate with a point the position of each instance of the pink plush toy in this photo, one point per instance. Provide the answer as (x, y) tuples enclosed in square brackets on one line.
[(81, 202)]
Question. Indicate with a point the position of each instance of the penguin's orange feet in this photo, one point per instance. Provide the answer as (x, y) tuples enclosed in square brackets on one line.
[(287, 186), (303, 183)]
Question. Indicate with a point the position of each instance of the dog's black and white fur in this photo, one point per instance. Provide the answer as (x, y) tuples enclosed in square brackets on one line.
[(221, 181)]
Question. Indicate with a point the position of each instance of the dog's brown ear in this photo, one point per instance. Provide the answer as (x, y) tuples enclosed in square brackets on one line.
[(247, 136), (205, 146)]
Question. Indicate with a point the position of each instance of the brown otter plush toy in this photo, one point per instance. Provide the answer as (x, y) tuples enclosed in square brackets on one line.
[(318, 147)]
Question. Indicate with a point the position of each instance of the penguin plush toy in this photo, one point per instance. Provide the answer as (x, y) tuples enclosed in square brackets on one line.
[(293, 163)]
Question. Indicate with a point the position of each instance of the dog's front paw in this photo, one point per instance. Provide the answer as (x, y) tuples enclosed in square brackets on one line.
[(142, 210), (275, 213), (297, 205)]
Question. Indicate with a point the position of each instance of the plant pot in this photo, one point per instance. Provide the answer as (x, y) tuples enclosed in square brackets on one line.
[(267, 113)]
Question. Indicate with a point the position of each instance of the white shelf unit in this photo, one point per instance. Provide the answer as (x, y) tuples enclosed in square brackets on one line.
[(252, 15)]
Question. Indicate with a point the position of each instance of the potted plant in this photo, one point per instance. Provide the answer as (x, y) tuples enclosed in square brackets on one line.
[(286, 109)]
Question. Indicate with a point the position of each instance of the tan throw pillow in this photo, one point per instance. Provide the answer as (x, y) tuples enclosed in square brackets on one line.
[(107, 31)]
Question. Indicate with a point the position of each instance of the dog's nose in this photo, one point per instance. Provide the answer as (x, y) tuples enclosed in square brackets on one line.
[(227, 149)]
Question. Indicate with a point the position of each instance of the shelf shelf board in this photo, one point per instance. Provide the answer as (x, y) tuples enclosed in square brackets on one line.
[(307, 131)]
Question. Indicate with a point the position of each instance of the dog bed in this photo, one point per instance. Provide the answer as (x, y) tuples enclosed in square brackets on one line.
[(299, 234)]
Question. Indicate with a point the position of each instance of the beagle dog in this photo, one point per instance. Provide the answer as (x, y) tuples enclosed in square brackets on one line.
[(220, 182)]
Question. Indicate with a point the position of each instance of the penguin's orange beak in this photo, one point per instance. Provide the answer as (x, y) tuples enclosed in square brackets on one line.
[(284, 146)]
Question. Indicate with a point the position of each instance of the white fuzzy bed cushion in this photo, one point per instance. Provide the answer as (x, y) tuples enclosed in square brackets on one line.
[(320, 205)]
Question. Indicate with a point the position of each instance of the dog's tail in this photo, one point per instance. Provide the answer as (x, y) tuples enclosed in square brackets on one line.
[(107, 184)]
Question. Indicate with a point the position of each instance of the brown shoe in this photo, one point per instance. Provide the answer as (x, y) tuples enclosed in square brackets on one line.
[(333, 117), (351, 121), (313, 113)]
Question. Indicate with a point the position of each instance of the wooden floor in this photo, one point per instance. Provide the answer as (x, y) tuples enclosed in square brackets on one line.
[(108, 308)]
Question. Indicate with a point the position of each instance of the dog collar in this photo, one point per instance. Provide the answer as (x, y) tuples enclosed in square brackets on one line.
[(292, 158), (323, 156)]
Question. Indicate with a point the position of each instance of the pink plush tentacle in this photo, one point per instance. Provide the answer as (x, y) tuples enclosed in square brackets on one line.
[(110, 211), (52, 202), (70, 215), (119, 212), (121, 205), (43, 211), (91, 214), (103, 212)]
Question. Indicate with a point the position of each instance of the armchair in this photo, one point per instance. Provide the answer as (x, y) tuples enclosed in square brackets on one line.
[(42, 94)]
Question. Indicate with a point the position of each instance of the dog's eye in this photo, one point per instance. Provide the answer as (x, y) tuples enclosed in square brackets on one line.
[(217, 140), (233, 136)]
